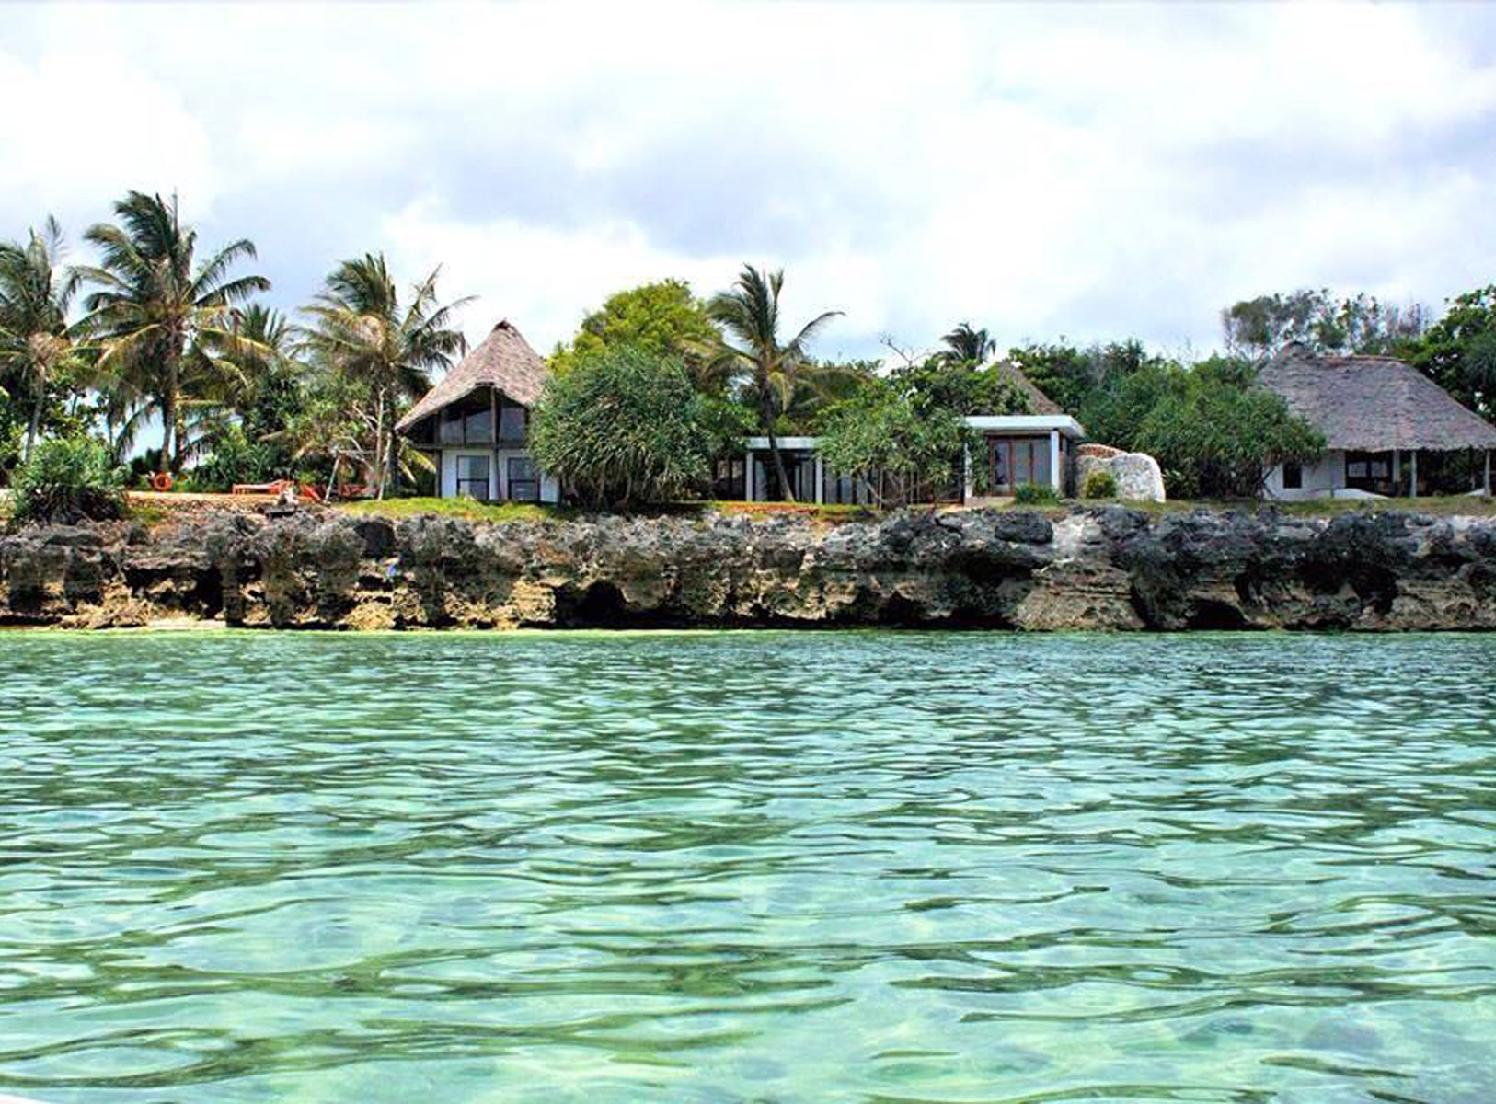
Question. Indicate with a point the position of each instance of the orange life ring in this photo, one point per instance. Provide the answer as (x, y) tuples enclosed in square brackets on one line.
[(161, 481)]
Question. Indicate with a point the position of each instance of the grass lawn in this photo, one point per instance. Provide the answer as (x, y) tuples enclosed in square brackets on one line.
[(466, 508), (1445, 506), (836, 514), (151, 508)]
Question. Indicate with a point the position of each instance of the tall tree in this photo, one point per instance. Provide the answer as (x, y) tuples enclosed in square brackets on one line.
[(36, 340), (1358, 323), (155, 305), (662, 318), (1458, 352), (964, 345), (749, 312), (384, 349)]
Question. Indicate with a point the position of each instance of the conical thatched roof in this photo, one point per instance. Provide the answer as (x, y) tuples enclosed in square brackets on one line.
[(1373, 403), (1038, 401), (504, 360)]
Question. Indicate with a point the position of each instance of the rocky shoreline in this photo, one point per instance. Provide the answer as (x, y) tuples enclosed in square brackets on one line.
[(1105, 568)]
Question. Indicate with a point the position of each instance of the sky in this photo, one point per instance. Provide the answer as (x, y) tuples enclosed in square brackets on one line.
[(1093, 172)]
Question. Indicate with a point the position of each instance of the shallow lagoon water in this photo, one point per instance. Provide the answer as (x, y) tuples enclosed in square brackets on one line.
[(747, 866)]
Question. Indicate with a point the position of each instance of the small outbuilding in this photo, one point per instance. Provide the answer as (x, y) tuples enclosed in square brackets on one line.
[(1380, 417)]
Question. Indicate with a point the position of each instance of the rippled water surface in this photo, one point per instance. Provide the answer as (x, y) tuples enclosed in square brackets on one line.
[(768, 867)]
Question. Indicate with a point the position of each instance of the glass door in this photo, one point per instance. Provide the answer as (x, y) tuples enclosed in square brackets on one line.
[(472, 476), (524, 480), (1023, 463)]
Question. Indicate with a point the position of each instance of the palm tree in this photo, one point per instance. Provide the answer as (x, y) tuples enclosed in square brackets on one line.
[(157, 312), (750, 314), (271, 380), (36, 341), (385, 350), (965, 345)]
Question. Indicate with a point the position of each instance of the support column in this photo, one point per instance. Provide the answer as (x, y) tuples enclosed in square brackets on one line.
[(1413, 466), (1488, 473), (748, 476), (1056, 476), (820, 481), (1397, 468), (967, 486)]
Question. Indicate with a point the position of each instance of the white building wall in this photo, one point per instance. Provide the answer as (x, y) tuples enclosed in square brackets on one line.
[(498, 474), (1321, 479)]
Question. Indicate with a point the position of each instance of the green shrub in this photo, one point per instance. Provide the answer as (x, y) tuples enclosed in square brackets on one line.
[(234, 459), (1099, 484), (622, 427), (1212, 430), (1035, 494), (69, 479), (881, 437)]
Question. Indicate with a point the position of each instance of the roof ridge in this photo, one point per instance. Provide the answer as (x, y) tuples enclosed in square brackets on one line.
[(503, 359)]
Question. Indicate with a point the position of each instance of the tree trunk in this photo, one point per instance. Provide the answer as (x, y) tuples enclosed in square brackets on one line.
[(168, 430), (784, 479), (392, 457), (380, 471), (34, 426)]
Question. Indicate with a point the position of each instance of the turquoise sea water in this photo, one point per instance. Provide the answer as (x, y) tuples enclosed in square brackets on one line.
[(747, 867)]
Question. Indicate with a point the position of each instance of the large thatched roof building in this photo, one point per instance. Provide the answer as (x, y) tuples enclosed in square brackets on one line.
[(474, 422), (503, 360), (1377, 414)]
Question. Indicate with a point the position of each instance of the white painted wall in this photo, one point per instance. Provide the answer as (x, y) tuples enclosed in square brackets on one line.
[(498, 474), (1321, 479), (449, 471)]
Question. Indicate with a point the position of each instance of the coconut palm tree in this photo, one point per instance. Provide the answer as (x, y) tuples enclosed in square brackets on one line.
[(749, 313), (965, 345), (386, 350), (36, 340), (158, 313)]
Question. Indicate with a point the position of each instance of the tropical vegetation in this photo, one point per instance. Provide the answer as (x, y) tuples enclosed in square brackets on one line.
[(624, 426), (69, 479), (163, 348), (380, 352), (164, 319), (40, 349), (753, 351)]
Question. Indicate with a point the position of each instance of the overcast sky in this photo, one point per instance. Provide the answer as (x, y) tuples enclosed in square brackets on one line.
[(1096, 172)]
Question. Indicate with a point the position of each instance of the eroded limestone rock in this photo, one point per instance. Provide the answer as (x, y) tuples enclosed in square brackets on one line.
[(1107, 568)]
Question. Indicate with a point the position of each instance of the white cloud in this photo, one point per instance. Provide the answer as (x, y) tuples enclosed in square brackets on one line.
[(1094, 171), (79, 129)]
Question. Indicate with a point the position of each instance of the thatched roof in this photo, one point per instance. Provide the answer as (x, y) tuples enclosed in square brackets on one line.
[(1374, 403), (504, 360), (1039, 402)]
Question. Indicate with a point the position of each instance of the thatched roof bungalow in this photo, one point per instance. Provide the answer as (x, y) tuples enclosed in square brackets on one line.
[(1378, 414), (474, 423)]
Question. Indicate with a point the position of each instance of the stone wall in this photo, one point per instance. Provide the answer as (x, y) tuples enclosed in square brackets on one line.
[(1093, 568)]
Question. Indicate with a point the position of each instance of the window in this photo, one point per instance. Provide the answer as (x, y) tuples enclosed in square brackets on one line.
[(1020, 460), (451, 427), (838, 489), (999, 464), (472, 477), (524, 480), (1369, 471), (1293, 477), (469, 421), (511, 423), (729, 481)]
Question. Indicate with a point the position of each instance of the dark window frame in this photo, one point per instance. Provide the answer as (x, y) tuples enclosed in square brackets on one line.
[(1375, 471), (531, 481), (459, 481)]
